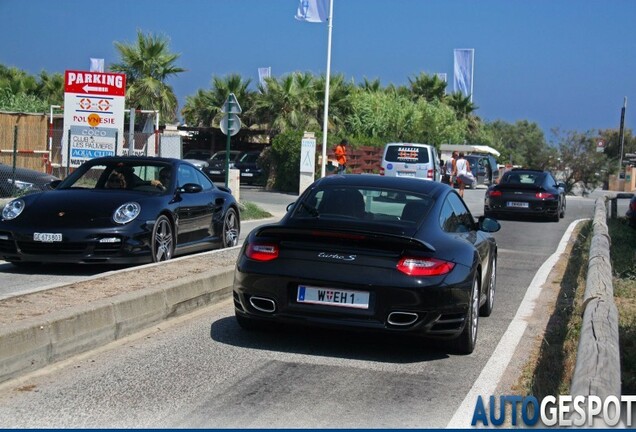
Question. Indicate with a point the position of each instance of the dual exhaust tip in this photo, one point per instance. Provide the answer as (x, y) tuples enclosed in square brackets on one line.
[(402, 319), (263, 304), (398, 319)]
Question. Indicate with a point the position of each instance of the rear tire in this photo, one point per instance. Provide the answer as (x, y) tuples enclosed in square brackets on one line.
[(465, 343), (487, 307)]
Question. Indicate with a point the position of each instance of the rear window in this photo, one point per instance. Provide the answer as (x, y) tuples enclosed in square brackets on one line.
[(526, 178), (407, 154), (365, 205)]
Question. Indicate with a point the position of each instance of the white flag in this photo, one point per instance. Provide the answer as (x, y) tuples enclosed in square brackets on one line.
[(314, 11), (464, 71), (442, 76), (264, 72), (97, 65)]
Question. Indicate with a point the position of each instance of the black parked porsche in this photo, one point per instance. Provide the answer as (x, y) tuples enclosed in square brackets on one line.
[(526, 192), (370, 252), (120, 210)]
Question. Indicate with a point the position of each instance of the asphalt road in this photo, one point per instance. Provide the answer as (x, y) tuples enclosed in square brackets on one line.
[(202, 370)]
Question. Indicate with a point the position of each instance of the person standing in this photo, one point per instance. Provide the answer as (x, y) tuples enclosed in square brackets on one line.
[(341, 156), (449, 168), (462, 173)]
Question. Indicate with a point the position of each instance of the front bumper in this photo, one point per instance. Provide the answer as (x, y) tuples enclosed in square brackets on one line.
[(113, 245)]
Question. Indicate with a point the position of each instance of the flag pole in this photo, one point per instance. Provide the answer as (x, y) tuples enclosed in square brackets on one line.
[(326, 113), (472, 73)]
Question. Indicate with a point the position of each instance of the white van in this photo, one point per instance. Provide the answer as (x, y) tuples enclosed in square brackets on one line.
[(411, 160)]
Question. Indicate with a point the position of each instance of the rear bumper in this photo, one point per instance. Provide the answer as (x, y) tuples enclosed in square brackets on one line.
[(427, 311)]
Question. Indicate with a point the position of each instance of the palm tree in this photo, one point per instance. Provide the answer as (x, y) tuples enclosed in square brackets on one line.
[(430, 88), (462, 105), (148, 63), (370, 86), (51, 87), (339, 101), (204, 109), (17, 81), (199, 109), (288, 103)]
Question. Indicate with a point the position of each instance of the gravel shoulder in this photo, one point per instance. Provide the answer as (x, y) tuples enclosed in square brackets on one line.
[(32, 305)]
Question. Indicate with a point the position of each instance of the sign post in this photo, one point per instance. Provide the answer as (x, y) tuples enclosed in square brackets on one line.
[(93, 115), (307, 161), (230, 125)]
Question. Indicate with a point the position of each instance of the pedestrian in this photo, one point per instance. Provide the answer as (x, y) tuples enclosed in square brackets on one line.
[(462, 173), (449, 167), (341, 156)]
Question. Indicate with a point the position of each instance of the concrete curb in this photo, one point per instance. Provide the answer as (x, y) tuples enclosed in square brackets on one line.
[(37, 342)]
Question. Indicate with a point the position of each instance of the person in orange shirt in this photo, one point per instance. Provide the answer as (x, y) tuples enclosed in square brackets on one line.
[(341, 156)]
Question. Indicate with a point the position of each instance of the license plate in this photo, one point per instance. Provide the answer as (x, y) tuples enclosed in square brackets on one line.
[(333, 297), (215, 172), (247, 174), (47, 237), (517, 204), (406, 173)]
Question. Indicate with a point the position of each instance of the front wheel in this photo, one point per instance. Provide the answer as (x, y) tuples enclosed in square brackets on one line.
[(465, 343), (231, 228), (162, 244)]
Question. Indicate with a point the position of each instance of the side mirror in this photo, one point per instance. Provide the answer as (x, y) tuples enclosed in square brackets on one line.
[(54, 184), (487, 224), (191, 188)]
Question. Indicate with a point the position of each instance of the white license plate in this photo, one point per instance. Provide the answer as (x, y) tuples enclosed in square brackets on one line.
[(247, 174), (517, 204), (406, 173), (215, 172), (333, 297), (47, 237)]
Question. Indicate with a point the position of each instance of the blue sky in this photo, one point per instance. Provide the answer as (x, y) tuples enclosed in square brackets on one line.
[(559, 63)]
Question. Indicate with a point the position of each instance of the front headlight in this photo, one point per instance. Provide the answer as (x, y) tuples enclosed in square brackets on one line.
[(21, 185), (13, 209), (126, 213)]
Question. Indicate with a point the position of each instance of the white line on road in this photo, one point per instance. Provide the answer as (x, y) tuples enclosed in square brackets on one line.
[(490, 375)]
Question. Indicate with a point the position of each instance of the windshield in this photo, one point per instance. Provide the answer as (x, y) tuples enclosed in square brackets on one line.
[(118, 175)]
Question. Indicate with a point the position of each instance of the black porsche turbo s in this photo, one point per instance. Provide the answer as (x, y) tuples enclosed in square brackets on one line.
[(371, 252), (120, 210)]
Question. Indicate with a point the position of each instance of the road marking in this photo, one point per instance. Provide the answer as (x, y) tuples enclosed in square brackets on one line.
[(490, 375)]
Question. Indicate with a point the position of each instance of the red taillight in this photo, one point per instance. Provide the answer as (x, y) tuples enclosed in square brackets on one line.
[(262, 251), (544, 195), (429, 174), (424, 266), (381, 170), (494, 193)]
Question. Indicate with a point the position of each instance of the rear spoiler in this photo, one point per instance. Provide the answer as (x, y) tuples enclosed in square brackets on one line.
[(350, 235)]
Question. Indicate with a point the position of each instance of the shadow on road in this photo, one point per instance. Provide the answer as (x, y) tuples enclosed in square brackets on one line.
[(330, 343)]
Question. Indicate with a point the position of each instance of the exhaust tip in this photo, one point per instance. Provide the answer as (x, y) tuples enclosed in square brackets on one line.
[(263, 304), (402, 319)]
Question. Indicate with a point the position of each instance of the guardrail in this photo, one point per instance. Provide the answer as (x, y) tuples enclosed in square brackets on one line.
[(598, 368)]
